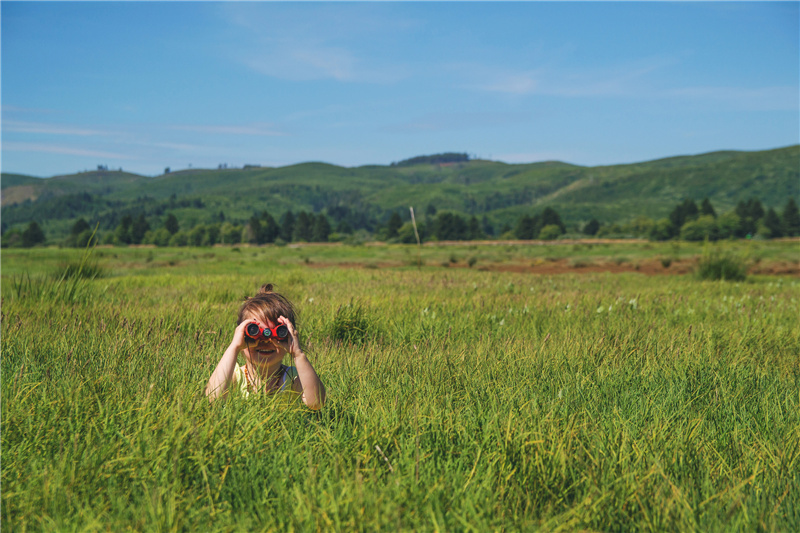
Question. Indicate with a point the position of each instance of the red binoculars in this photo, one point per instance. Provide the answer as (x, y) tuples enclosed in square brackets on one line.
[(255, 332)]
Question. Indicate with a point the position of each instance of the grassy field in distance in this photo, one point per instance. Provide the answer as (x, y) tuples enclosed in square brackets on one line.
[(468, 398)]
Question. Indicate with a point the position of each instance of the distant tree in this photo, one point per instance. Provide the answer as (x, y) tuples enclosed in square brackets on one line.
[(270, 230), (322, 229), (122, 234), (791, 219), (526, 228), (707, 209), (344, 227), (32, 235), (393, 225), (12, 239), (772, 223), (430, 210), (79, 227), (450, 227), (750, 213), (253, 230), (474, 229), (551, 218), (550, 232), (449, 157), (166, 170), (230, 233), (702, 228), (683, 212), (487, 226), (197, 235), (138, 228), (160, 237), (591, 227), (171, 224), (662, 230), (287, 226), (303, 227), (729, 225)]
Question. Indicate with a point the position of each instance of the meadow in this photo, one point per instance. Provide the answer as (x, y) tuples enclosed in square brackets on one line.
[(461, 397)]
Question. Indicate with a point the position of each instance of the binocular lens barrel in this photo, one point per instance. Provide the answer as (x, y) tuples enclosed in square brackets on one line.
[(252, 330), (281, 332)]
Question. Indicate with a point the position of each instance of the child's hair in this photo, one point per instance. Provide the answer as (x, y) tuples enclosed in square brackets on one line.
[(267, 306)]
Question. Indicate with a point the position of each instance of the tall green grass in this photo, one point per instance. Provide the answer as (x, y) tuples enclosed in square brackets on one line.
[(489, 401)]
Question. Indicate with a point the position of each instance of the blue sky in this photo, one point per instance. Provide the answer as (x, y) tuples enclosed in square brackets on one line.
[(149, 85)]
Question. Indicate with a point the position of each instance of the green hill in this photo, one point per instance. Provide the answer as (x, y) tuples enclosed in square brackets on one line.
[(502, 192)]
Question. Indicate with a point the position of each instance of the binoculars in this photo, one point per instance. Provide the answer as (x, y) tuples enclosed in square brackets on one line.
[(255, 332)]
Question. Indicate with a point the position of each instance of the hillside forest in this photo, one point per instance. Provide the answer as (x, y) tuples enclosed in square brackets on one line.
[(745, 195)]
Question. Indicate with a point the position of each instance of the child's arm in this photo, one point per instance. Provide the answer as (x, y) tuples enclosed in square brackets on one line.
[(221, 378), (307, 383)]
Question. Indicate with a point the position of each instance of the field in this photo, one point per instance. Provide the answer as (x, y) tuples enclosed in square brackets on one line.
[(467, 391)]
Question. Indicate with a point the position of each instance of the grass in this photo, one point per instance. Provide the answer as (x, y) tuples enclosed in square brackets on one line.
[(716, 265), (488, 400)]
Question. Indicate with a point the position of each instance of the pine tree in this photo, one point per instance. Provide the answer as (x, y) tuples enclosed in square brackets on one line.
[(253, 230), (591, 227), (287, 226), (32, 235), (707, 209), (550, 218), (791, 219), (171, 224), (79, 227), (138, 228), (474, 229), (526, 228), (303, 227), (394, 224), (773, 223), (123, 231), (322, 229)]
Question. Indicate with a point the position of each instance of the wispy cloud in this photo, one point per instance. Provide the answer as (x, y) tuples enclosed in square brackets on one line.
[(743, 98), (50, 129), (628, 79), (233, 129), (325, 43), (59, 149), (434, 122)]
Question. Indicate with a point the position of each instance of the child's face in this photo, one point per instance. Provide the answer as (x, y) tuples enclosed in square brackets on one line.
[(264, 352)]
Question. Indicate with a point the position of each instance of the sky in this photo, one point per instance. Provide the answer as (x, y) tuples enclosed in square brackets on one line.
[(144, 86)]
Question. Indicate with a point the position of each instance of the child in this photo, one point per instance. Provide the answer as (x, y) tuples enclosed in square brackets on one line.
[(263, 370)]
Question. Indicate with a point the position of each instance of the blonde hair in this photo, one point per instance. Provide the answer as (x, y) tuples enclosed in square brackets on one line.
[(267, 306)]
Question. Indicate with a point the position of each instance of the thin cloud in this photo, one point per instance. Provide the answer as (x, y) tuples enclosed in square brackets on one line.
[(49, 129), (319, 44), (750, 99), (237, 129), (57, 149), (456, 121), (620, 80)]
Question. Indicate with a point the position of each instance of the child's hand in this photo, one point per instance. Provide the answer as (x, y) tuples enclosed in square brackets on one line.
[(293, 344), (239, 341)]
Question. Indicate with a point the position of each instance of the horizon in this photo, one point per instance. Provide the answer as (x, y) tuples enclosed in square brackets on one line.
[(312, 162), (146, 86)]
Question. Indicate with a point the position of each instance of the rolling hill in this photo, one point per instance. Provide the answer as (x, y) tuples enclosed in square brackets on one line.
[(502, 192)]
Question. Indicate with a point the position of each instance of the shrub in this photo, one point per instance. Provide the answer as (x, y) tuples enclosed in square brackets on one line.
[(550, 232), (352, 324), (715, 265)]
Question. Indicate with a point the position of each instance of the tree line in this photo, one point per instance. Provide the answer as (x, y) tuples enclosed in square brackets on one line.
[(687, 221), (692, 222)]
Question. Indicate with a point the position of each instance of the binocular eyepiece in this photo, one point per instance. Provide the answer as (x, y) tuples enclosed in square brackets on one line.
[(255, 332)]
